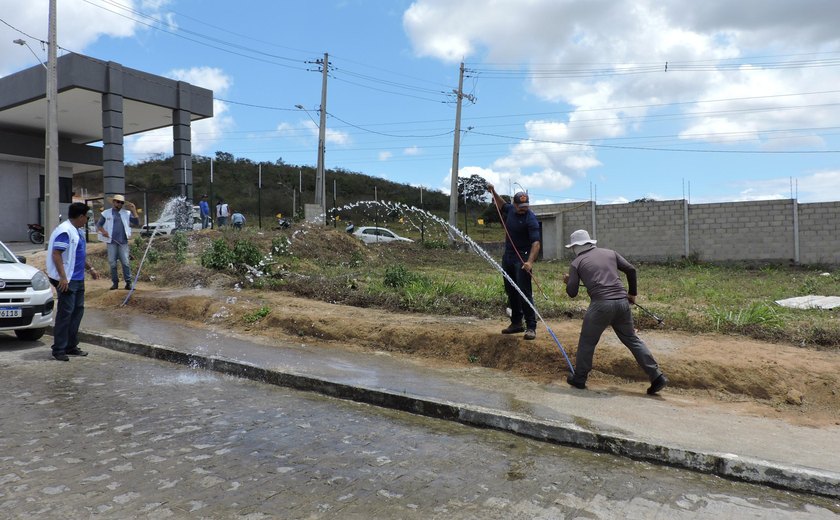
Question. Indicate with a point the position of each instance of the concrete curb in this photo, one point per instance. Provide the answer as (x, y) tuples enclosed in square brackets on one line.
[(731, 466)]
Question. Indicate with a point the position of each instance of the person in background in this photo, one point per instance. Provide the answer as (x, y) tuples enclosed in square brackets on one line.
[(204, 208), (237, 219), (114, 228), (66, 263), (610, 303), (222, 213), (521, 250), (350, 227)]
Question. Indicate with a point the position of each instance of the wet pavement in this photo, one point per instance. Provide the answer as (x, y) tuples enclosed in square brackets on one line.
[(664, 429), (115, 435)]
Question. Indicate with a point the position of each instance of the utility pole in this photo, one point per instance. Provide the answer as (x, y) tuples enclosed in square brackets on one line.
[(51, 195), (453, 193), (320, 181)]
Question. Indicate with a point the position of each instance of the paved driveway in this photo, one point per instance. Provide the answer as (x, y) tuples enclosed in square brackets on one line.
[(119, 436)]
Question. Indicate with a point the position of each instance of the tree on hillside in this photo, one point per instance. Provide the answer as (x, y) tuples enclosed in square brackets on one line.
[(472, 190)]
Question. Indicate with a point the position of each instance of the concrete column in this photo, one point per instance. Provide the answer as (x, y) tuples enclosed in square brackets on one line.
[(113, 153), (182, 145)]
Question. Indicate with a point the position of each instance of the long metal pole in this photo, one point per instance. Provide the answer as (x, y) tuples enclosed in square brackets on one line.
[(51, 195), (453, 193), (320, 181), (259, 198)]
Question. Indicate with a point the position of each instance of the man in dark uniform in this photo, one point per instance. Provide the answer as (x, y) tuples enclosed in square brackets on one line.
[(521, 250), (610, 303)]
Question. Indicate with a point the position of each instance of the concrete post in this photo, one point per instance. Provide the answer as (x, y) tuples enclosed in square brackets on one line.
[(113, 153), (182, 145)]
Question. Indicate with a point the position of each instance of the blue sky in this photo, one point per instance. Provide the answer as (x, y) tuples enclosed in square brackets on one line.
[(571, 97)]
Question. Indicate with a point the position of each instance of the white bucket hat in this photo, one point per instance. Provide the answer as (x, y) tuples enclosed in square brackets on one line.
[(579, 238)]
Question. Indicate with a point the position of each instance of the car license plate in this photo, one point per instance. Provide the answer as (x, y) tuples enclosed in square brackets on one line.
[(10, 312)]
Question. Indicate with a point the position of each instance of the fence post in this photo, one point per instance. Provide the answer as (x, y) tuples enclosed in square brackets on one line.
[(685, 221), (795, 232)]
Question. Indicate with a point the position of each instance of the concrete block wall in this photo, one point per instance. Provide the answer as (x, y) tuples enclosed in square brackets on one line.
[(742, 231), (755, 231), (646, 230), (819, 233)]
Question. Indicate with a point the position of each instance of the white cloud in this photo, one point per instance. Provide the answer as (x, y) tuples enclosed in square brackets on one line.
[(606, 47), (205, 133), (384, 156), (336, 137), (813, 187), (78, 24), (412, 150)]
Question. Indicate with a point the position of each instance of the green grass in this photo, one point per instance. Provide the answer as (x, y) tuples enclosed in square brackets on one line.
[(690, 296)]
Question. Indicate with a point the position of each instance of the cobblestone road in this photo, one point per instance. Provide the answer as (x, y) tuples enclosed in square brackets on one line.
[(118, 436)]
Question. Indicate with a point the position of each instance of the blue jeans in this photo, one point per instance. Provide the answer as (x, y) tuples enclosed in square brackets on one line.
[(119, 252), (518, 306), (616, 314), (68, 317), (205, 221)]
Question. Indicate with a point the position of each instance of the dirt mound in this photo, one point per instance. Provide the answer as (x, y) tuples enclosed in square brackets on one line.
[(758, 378)]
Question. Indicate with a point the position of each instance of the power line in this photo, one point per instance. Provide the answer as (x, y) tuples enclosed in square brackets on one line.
[(655, 149), (157, 27)]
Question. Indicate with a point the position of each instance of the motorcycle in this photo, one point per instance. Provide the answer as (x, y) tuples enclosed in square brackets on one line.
[(36, 233)]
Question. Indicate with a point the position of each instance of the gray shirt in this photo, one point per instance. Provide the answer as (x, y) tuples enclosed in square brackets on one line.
[(598, 269)]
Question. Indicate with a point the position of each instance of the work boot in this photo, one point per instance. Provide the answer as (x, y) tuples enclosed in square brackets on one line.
[(76, 352), (127, 286), (576, 384), (113, 286), (530, 334), (61, 357), (513, 328), (658, 384)]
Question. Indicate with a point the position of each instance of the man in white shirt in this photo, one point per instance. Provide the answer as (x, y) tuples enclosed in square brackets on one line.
[(114, 228)]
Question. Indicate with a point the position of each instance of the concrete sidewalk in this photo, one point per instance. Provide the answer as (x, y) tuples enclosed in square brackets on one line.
[(660, 429)]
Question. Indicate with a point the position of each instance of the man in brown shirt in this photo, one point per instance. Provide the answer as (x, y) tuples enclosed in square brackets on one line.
[(610, 303)]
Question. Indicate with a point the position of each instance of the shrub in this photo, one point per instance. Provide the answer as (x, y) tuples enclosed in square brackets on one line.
[(219, 256), (179, 243)]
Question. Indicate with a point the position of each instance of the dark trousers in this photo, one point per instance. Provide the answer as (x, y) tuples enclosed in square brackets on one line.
[(68, 316), (615, 313), (519, 307)]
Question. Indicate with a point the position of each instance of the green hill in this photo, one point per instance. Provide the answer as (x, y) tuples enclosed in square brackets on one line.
[(236, 180)]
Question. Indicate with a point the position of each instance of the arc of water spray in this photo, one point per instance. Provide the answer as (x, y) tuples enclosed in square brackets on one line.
[(139, 267), (453, 231), (173, 204)]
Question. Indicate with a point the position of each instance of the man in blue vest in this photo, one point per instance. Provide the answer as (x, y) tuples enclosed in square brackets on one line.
[(115, 230), (66, 264)]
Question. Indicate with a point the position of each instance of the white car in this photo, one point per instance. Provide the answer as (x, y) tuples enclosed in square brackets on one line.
[(166, 225), (26, 297), (374, 235)]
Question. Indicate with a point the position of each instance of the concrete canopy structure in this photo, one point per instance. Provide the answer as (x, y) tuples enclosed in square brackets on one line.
[(98, 102)]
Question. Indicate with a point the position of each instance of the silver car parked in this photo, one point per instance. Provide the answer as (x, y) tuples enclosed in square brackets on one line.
[(373, 235)]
